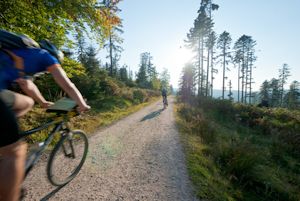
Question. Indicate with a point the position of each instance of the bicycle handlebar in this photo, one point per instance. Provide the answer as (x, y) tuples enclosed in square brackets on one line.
[(63, 105)]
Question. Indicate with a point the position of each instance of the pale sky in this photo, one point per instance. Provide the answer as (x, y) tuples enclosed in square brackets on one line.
[(160, 27)]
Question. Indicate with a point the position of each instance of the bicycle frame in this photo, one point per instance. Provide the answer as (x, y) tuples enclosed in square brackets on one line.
[(59, 126), (165, 101)]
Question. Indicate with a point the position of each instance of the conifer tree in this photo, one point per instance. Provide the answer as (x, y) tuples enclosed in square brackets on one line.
[(90, 61), (196, 41), (284, 73), (142, 76), (165, 78), (265, 91), (211, 42), (187, 84), (81, 46), (292, 98), (237, 59), (224, 42), (275, 92), (123, 74), (244, 58), (230, 94), (114, 48)]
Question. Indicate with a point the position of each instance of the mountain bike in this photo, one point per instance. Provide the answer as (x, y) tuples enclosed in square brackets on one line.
[(165, 102), (70, 151)]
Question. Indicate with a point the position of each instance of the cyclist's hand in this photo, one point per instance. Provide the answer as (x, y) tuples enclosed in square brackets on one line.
[(83, 108), (46, 104)]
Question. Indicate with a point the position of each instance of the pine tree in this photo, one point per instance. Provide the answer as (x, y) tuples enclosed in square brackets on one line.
[(224, 42), (142, 76), (284, 73), (237, 59), (187, 84), (275, 92), (292, 98), (154, 82), (265, 92), (81, 47), (230, 94), (123, 74), (114, 48), (165, 78), (211, 42), (196, 41), (209, 6), (244, 57), (90, 61)]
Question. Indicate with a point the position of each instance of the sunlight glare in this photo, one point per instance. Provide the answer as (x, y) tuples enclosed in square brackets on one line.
[(178, 58)]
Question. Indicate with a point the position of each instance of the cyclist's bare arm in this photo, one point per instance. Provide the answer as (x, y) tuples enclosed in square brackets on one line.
[(65, 83), (31, 90)]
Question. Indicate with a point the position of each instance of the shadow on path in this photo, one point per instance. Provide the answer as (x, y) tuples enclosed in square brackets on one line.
[(152, 115)]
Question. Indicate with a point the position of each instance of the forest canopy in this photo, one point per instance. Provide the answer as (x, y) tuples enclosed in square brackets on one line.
[(55, 19)]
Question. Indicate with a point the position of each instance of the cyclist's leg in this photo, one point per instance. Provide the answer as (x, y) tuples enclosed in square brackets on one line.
[(12, 164), (19, 103), (12, 155)]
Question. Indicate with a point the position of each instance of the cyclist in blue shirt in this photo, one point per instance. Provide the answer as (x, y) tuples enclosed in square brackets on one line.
[(14, 65)]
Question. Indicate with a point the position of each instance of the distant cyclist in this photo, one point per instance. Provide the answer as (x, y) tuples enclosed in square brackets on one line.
[(164, 94), (14, 65)]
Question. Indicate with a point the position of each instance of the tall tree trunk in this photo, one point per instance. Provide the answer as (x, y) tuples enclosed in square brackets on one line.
[(202, 66), (223, 88), (199, 67), (243, 75), (110, 56), (246, 77), (281, 93), (250, 88), (207, 72), (212, 74), (239, 68)]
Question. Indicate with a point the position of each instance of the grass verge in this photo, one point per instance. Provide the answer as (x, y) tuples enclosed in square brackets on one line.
[(230, 161)]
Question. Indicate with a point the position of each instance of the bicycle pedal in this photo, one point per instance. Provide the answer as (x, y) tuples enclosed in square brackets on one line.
[(70, 155)]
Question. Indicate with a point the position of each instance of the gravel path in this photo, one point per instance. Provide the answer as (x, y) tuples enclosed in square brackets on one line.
[(137, 158)]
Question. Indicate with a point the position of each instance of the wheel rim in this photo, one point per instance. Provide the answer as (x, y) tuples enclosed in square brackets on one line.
[(63, 164)]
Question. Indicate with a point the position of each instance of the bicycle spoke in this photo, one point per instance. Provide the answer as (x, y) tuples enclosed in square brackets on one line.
[(67, 158)]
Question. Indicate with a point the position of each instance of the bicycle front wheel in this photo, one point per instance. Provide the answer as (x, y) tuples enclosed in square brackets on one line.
[(67, 158)]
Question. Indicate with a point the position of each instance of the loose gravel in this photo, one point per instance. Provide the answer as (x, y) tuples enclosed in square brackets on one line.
[(138, 158)]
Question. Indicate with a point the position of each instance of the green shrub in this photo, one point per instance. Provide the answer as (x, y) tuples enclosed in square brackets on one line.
[(203, 128), (139, 95), (127, 93), (110, 87), (152, 93), (255, 165), (239, 158), (278, 121)]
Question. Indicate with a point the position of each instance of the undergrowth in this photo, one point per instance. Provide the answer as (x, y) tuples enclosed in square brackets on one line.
[(231, 158)]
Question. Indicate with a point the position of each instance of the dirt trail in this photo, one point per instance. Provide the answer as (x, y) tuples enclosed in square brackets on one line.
[(137, 158)]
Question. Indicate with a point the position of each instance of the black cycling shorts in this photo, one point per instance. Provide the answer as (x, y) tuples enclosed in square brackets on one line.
[(9, 131)]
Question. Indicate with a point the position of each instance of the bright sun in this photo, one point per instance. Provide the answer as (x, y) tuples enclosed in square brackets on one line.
[(178, 58)]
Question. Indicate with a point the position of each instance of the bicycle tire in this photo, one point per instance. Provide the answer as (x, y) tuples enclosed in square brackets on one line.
[(65, 174)]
